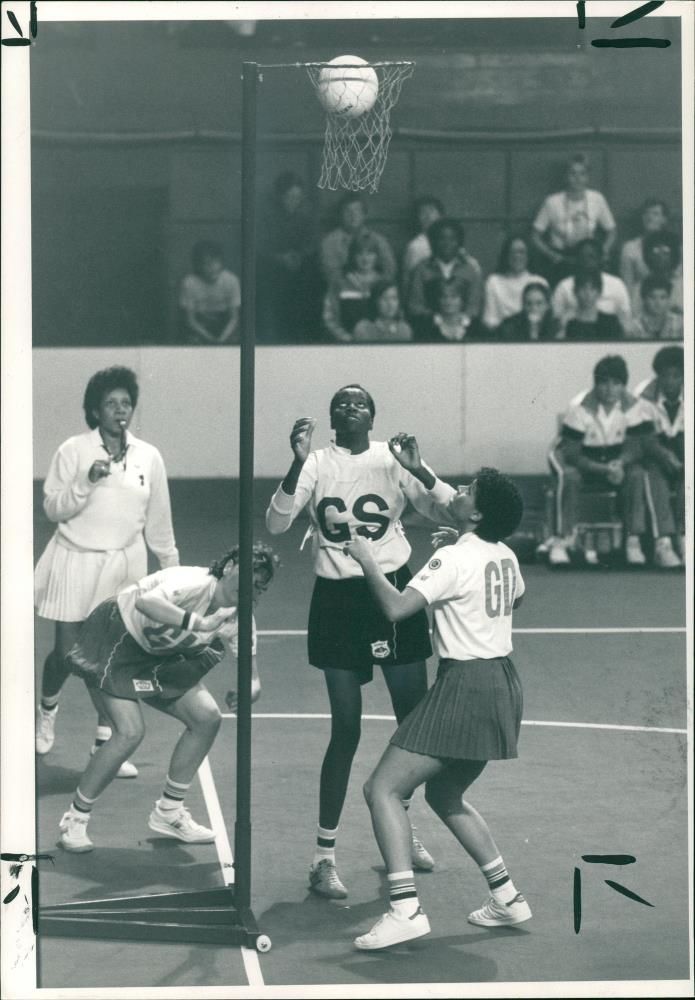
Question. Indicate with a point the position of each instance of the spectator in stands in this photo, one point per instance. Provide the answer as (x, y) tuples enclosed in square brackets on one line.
[(426, 210), (589, 323), (664, 455), (598, 450), (448, 263), (535, 321), (210, 298), (288, 282), (655, 321), (386, 323), (633, 268), (567, 218), (450, 322), (504, 288), (613, 298), (662, 255), (335, 246), (347, 301)]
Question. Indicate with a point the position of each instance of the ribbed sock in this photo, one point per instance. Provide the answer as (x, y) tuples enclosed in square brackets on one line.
[(173, 795), (498, 880), (49, 703), (402, 893), (81, 804), (325, 844)]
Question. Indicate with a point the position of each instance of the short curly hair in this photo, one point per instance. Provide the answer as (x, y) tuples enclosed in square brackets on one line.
[(668, 357), (499, 501), (263, 558), (353, 385), (106, 380), (613, 366)]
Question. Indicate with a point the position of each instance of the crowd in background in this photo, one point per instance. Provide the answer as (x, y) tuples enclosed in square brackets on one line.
[(565, 279)]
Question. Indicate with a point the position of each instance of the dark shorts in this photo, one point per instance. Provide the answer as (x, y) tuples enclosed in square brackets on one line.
[(108, 659), (347, 631), (472, 712)]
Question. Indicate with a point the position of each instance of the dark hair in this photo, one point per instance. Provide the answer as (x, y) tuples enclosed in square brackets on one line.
[(663, 238), (378, 289), (436, 229), (363, 241), (503, 259), (582, 158), (535, 286), (613, 366), (106, 381), (652, 282), (353, 385), (588, 241), (263, 558), (653, 203), (285, 181), (205, 249), (350, 199), (500, 503), (426, 199), (668, 357), (588, 277)]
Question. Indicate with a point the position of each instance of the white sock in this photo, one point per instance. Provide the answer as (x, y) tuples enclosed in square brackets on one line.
[(506, 892), (166, 805), (325, 851)]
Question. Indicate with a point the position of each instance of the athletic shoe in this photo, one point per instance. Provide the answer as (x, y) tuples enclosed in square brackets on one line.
[(591, 557), (179, 823), (45, 729), (393, 929), (323, 879), (664, 556), (493, 913), (126, 770), (419, 855), (73, 832), (558, 555), (633, 552)]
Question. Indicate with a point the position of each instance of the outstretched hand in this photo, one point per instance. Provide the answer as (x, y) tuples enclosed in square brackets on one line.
[(300, 437), (444, 536), (360, 549), (209, 623), (404, 448)]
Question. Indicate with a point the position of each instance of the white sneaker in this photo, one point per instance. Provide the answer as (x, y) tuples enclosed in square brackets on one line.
[(558, 555), (633, 552), (664, 556), (393, 929), (591, 557), (45, 729), (419, 855), (73, 832), (179, 823), (126, 770), (493, 913), (324, 879)]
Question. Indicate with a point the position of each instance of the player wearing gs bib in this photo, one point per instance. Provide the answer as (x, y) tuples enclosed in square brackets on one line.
[(470, 715), (155, 642), (356, 487)]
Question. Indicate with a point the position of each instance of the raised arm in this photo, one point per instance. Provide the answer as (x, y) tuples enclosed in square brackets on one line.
[(292, 494), (428, 494)]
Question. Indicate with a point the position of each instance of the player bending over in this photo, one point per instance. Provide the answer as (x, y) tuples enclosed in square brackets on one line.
[(470, 715), (155, 642)]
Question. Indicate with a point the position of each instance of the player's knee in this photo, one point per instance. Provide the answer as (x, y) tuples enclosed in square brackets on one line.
[(208, 719), (128, 733)]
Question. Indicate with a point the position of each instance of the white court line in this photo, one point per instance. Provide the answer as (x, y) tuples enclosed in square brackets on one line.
[(252, 965), (531, 631), (525, 722)]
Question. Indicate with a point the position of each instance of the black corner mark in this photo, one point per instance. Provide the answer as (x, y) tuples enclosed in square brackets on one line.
[(33, 27), (609, 859), (627, 892), (581, 13), (620, 22), (637, 13), (602, 859), (11, 895), (27, 857)]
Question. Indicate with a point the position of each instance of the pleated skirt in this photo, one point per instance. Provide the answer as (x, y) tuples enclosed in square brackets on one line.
[(70, 583), (472, 712)]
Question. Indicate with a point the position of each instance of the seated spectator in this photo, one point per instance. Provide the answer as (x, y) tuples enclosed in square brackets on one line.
[(347, 301), (449, 263), (450, 322), (504, 288), (288, 280), (589, 323), (426, 211), (599, 450), (386, 323), (567, 218), (210, 298), (655, 321), (335, 246), (535, 321), (664, 455), (662, 255), (614, 297), (633, 268)]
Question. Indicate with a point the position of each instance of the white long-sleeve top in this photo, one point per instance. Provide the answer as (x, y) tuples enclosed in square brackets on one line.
[(111, 513), (350, 494)]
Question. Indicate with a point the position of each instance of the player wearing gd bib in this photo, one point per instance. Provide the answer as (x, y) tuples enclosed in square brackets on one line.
[(356, 488), (470, 715)]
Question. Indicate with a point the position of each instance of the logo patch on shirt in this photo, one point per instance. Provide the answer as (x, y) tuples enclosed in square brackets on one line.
[(143, 685), (434, 563), (380, 649)]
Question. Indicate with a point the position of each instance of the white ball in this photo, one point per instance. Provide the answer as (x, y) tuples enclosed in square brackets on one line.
[(348, 91)]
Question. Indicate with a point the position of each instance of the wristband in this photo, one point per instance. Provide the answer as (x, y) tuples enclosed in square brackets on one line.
[(191, 621), (186, 620)]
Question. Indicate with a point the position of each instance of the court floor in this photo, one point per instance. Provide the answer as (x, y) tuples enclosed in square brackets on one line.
[(602, 770)]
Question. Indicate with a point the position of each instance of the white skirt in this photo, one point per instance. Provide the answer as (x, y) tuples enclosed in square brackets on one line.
[(70, 583)]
